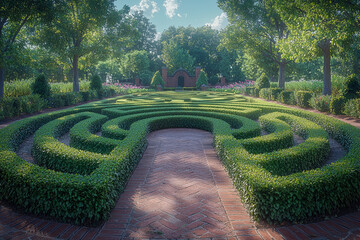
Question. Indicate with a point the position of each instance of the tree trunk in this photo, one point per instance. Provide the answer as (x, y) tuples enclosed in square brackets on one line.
[(327, 69), (2, 81), (281, 78), (76, 73)]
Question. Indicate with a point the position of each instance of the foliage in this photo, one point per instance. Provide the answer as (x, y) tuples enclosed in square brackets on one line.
[(337, 104), (256, 28), (275, 93), (41, 87), (135, 63), (175, 57), (351, 87), (15, 106), (287, 97), (265, 93), (95, 83), (303, 98), (321, 103), (352, 108), (263, 81), (315, 32), (14, 16), (202, 80), (77, 31), (284, 182), (157, 80)]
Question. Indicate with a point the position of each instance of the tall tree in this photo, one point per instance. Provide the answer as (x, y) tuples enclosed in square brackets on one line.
[(14, 15), (135, 63), (145, 33), (317, 28), (256, 29), (78, 30), (175, 57)]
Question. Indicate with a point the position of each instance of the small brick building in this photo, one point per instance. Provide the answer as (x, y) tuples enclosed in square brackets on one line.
[(180, 78)]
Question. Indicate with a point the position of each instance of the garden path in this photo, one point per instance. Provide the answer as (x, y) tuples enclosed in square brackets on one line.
[(179, 190)]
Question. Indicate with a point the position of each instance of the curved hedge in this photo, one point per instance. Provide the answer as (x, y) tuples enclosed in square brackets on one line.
[(277, 180)]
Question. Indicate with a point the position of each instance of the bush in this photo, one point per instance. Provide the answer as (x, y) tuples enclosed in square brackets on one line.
[(202, 80), (157, 80), (352, 108), (65, 99), (15, 106), (351, 87), (95, 83), (287, 97), (41, 87), (275, 93), (303, 99), (337, 104), (263, 81), (250, 91), (321, 103), (278, 182), (265, 93)]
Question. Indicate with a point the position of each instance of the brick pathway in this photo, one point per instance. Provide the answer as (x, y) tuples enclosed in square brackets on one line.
[(179, 190)]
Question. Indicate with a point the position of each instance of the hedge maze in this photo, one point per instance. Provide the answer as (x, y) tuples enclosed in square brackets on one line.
[(278, 181)]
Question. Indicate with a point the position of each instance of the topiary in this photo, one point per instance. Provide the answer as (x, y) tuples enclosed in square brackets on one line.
[(262, 82), (337, 104), (351, 87), (157, 80), (41, 86), (303, 98), (202, 80), (95, 83)]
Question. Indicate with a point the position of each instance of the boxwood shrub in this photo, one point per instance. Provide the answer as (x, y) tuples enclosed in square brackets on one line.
[(277, 181)]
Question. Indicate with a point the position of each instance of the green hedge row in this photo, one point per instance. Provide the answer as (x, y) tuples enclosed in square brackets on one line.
[(278, 182)]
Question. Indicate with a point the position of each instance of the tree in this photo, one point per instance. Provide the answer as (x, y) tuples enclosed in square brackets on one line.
[(157, 80), (201, 43), (14, 15), (175, 57), (256, 29), (77, 30), (145, 33), (317, 28), (134, 63)]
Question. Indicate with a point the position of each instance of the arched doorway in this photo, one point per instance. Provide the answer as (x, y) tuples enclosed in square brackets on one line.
[(181, 81)]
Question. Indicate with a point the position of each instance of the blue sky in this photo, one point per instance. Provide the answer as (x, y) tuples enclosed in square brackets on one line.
[(166, 13)]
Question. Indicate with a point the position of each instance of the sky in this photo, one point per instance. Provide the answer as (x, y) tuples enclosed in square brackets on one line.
[(166, 13)]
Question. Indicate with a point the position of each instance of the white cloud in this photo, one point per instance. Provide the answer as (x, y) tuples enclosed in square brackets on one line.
[(157, 36), (219, 22), (171, 6), (147, 6)]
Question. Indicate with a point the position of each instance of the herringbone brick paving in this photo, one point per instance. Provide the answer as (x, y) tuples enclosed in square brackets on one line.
[(179, 190)]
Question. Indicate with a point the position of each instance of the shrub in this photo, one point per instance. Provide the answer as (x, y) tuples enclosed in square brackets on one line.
[(337, 104), (41, 87), (157, 80), (351, 87), (352, 108), (275, 93), (11, 107), (287, 97), (277, 181), (95, 83), (265, 93), (303, 99), (202, 80), (321, 103), (250, 91), (263, 81)]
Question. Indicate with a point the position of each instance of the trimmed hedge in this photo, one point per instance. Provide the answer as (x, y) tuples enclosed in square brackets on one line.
[(277, 181), (303, 98)]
